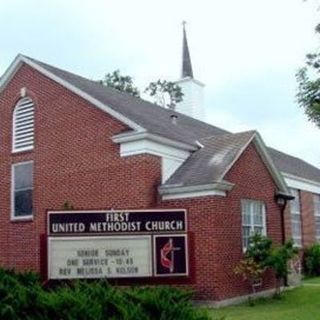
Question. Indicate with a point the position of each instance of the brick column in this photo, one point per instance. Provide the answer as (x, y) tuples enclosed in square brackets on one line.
[(307, 217)]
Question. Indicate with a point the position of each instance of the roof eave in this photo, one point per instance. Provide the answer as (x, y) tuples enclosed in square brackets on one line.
[(20, 59), (180, 188), (136, 136)]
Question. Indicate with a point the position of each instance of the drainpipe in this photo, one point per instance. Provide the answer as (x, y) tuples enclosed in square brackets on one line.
[(282, 200)]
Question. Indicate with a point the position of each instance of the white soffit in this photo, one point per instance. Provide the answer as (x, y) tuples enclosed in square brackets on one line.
[(299, 183), (183, 192)]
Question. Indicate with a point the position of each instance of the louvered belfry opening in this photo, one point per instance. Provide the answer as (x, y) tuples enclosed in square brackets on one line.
[(23, 125)]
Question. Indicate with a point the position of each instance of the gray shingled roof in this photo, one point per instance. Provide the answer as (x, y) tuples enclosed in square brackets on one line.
[(294, 166), (157, 120), (150, 116), (210, 163)]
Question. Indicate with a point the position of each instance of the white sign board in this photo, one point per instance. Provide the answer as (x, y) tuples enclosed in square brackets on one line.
[(100, 257)]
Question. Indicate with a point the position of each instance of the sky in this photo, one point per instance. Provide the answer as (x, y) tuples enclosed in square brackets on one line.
[(246, 52)]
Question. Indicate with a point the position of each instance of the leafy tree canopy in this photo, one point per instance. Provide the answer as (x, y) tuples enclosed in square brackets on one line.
[(308, 79), (164, 93), (122, 83)]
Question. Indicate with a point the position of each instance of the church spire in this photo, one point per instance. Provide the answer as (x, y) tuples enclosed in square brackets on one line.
[(186, 60)]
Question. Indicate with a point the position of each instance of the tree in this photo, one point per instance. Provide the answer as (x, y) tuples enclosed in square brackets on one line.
[(308, 79), (122, 83), (166, 93)]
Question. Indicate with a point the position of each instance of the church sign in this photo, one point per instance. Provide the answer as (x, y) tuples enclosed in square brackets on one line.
[(117, 244)]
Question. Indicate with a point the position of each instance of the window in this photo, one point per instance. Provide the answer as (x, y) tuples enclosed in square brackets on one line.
[(296, 218), (22, 187), (253, 220), (316, 199), (23, 125)]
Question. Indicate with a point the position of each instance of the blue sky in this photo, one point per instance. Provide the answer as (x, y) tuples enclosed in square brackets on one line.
[(246, 52)]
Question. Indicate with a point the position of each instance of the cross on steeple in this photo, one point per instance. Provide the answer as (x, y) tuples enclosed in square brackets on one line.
[(186, 60)]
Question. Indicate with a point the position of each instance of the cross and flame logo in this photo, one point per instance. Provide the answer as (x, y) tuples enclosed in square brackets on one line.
[(167, 255)]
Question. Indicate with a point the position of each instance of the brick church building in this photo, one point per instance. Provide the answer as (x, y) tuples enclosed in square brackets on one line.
[(67, 139)]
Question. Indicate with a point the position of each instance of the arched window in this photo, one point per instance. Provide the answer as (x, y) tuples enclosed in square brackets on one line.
[(23, 125)]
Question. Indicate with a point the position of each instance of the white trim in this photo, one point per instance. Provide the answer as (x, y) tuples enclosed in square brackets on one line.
[(237, 156), (275, 173), (262, 150), (10, 72), (139, 136), (182, 192), (299, 183), (154, 148), (22, 59), (12, 186), (194, 194), (252, 225), (189, 79)]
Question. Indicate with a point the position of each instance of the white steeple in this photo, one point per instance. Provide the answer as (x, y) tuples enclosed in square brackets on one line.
[(192, 104)]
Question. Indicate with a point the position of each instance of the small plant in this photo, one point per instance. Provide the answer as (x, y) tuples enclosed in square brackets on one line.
[(312, 260), (67, 206), (278, 261), (259, 249), (251, 271)]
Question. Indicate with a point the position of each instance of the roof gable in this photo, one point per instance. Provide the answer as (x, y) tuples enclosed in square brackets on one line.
[(138, 114), (211, 163), (20, 59), (142, 116)]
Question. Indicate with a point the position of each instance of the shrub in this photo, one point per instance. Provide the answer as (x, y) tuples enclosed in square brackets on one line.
[(22, 297), (259, 249), (278, 261), (312, 260)]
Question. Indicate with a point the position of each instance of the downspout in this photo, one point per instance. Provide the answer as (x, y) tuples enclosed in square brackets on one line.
[(282, 200)]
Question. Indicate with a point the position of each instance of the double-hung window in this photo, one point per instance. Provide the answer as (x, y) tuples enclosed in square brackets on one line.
[(253, 220), (316, 201), (22, 190), (295, 212)]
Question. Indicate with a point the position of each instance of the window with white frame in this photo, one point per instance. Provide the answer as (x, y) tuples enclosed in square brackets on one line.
[(23, 125), (295, 213), (253, 220), (316, 201), (22, 190)]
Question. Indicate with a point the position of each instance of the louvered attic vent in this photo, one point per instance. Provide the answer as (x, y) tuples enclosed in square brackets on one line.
[(23, 125)]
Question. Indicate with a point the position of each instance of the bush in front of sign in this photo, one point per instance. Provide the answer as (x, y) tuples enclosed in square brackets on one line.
[(19, 295), (22, 297), (166, 303)]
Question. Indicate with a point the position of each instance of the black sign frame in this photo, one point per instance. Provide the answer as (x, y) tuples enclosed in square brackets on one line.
[(154, 214)]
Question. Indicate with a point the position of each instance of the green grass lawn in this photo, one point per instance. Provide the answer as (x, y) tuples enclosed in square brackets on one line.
[(298, 304)]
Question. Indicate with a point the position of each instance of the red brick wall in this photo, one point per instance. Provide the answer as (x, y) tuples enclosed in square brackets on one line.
[(216, 225), (308, 230), (308, 219), (76, 161)]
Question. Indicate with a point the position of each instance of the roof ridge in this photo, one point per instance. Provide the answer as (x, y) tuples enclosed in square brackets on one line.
[(229, 133), (119, 92)]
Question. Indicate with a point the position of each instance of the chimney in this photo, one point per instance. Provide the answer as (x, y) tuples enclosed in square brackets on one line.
[(192, 103)]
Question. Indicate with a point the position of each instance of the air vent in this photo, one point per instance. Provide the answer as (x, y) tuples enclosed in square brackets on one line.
[(23, 125)]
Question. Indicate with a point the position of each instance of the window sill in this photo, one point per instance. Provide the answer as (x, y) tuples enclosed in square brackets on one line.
[(22, 219), (19, 152)]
